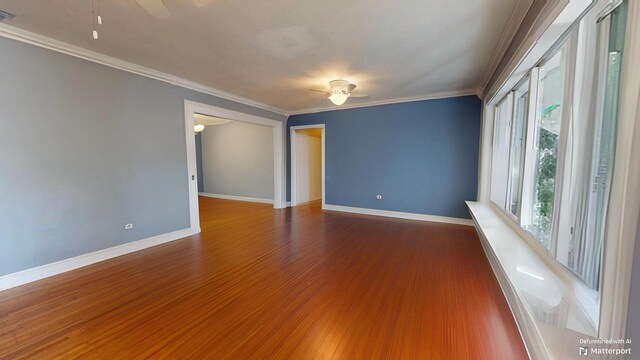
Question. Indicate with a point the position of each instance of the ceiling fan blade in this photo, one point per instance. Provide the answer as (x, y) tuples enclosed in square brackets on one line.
[(156, 8), (351, 87), (320, 91), (359, 96)]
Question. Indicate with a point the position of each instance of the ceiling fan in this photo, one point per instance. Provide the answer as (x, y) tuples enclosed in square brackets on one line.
[(340, 91), (156, 8)]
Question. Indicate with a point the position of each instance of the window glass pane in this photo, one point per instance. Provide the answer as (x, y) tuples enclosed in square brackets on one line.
[(586, 250), (547, 130), (517, 147)]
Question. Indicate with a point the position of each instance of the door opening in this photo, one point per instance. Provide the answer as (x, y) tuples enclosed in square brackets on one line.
[(307, 164), (192, 108)]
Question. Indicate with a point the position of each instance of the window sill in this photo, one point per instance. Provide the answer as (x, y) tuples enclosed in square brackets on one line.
[(549, 317), (587, 298)]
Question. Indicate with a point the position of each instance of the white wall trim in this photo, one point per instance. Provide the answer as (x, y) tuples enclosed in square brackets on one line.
[(292, 139), (34, 274), (535, 44), (506, 37), (307, 202), (237, 198), (12, 32), (441, 95), (28, 37), (398, 214), (485, 157), (191, 108)]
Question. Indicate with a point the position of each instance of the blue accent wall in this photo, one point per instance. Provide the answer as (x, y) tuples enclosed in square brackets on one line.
[(421, 156)]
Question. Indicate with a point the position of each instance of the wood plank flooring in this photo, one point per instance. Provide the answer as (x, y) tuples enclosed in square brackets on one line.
[(259, 283)]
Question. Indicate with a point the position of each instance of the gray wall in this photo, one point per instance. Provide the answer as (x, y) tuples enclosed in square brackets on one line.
[(199, 162), (237, 159), (85, 149), (633, 315)]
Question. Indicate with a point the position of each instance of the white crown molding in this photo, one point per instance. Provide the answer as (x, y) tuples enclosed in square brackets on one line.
[(398, 214), (237, 198), (34, 274), (440, 95), (506, 37), (544, 19), (12, 32)]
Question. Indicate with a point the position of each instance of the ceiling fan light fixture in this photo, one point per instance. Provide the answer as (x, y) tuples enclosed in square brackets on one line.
[(339, 91), (338, 85), (339, 98)]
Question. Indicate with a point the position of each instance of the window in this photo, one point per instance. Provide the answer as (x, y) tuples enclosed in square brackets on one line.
[(548, 124), (516, 160), (587, 238), (554, 147), (500, 156)]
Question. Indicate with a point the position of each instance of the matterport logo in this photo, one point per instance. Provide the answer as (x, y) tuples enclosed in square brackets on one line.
[(616, 347)]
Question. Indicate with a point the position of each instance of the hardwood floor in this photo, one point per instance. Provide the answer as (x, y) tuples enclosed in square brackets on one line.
[(263, 284)]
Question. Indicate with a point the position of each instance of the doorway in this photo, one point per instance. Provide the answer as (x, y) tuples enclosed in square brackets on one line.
[(307, 164), (192, 108), (235, 160)]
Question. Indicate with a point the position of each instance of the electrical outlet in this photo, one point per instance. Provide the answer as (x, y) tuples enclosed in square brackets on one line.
[(379, 197), (128, 227)]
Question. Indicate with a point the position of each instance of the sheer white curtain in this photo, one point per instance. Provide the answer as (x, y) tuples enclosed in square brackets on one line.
[(576, 247), (500, 153)]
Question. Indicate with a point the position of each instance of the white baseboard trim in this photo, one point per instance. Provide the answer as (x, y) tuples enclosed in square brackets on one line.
[(308, 201), (30, 275), (398, 214), (237, 198), (287, 204)]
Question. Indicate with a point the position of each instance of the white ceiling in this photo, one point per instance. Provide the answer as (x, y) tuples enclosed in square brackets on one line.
[(273, 51)]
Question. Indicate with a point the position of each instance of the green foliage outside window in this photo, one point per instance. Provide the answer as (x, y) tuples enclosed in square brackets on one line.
[(546, 170)]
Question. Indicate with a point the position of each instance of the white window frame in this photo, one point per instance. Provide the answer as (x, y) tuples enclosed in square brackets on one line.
[(515, 96), (528, 172), (618, 250), (567, 45), (501, 140), (624, 203)]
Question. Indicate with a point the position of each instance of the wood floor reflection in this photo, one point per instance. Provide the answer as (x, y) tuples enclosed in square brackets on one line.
[(259, 283)]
